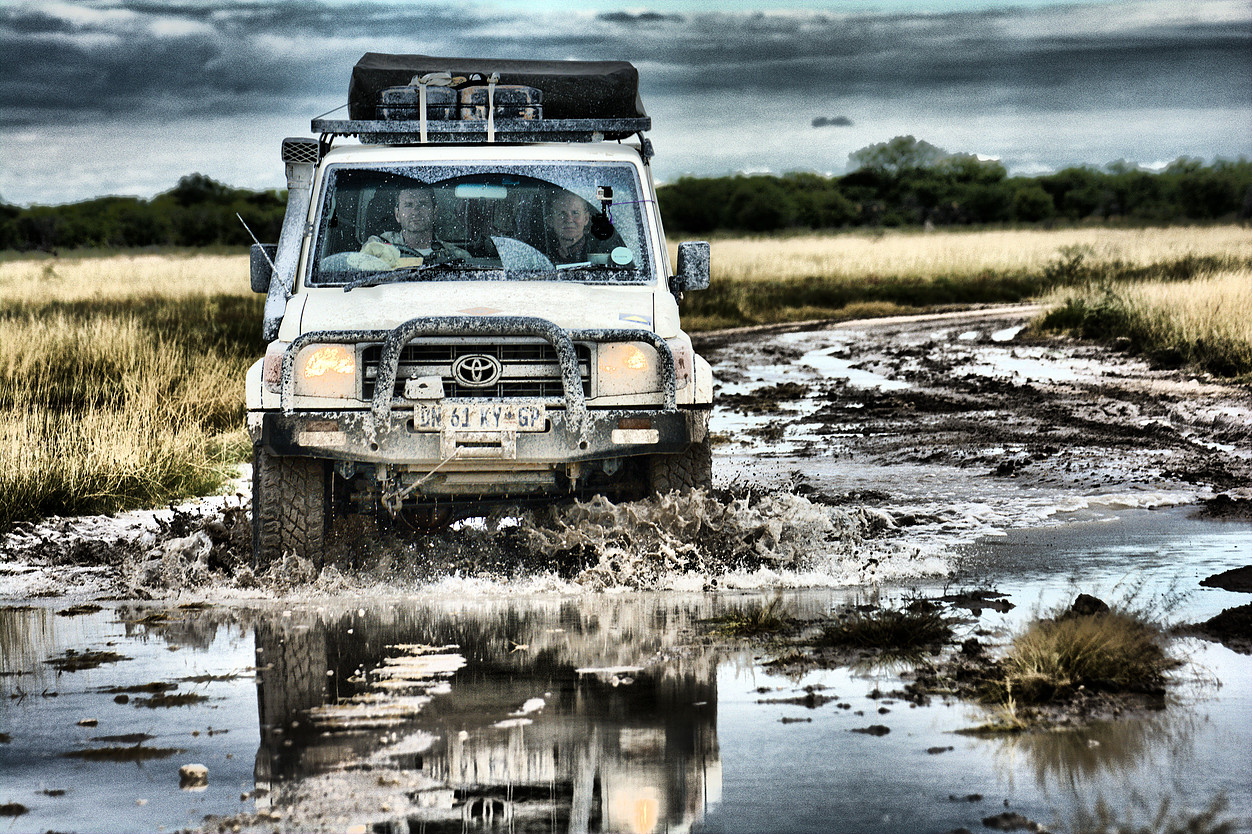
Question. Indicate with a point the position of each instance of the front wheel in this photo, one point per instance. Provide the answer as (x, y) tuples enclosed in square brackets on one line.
[(685, 471), (290, 507)]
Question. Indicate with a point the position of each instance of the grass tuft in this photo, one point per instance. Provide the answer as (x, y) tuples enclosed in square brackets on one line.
[(754, 620), (1115, 651), (889, 630), (1205, 322)]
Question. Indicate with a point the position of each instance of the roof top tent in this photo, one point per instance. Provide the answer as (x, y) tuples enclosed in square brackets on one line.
[(415, 99)]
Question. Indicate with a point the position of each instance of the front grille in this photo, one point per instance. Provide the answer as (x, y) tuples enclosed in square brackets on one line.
[(530, 369)]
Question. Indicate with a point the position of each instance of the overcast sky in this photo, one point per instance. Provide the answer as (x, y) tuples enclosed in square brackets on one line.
[(126, 96)]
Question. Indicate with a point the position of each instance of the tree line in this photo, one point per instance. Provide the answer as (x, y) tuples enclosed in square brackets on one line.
[(903, 182), (198, 211), (908, 182)]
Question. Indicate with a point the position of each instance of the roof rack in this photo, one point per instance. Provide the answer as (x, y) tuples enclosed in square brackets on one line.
[(409, 132)]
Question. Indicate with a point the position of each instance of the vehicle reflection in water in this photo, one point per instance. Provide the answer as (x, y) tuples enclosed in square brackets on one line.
[(590, 715)]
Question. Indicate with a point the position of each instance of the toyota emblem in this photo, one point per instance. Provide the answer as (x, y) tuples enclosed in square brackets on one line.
[(477, 370)]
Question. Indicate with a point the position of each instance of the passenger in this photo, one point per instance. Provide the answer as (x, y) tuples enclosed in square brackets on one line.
[(566, 226)]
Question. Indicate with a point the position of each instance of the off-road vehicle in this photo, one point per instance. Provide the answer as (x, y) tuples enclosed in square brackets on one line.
[(441, 335)]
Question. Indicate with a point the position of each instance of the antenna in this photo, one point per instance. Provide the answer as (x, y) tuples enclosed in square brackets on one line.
[(257, 242)]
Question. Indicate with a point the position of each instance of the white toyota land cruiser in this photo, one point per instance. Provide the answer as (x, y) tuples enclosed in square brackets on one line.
[(474, 305)]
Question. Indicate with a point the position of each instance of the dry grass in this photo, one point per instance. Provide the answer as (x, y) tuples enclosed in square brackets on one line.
[(841, 276), (43, 280), (121, 380), (1116, 651), (1205, 322), (929, 255)]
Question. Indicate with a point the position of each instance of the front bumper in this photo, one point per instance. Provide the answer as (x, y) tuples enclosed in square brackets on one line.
[(360, 437)]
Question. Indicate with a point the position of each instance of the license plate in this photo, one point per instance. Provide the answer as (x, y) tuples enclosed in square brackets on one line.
[(479, 417)]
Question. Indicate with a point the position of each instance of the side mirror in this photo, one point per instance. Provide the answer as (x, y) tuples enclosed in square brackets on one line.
[(693, 267), (262, 257)]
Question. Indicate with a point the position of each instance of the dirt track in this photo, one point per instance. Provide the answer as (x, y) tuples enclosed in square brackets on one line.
[(962, 394), (967, 390), (884, 433)]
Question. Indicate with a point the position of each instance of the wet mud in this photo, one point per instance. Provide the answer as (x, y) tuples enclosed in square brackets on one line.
[(678, 663), (979, 395), (965, 395)]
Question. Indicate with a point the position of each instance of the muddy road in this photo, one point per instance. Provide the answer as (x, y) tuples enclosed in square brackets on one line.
[(571, 675)]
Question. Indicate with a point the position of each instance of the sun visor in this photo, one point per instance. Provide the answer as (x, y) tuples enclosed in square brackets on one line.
[(571, 89)]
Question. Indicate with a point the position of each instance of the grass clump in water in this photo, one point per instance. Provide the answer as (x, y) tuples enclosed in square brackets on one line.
[(137, 753), (1108, 650), (76, 661), (167, 700), (754, 620), (905, 632)]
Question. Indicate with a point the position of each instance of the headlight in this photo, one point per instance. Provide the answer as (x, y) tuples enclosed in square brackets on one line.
[(626, 368), (326, 371)]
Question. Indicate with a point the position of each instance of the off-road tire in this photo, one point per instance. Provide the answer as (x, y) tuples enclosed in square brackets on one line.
[(685, 471), (289, 508)]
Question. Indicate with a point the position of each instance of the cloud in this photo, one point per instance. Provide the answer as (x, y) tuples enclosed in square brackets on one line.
[(193, 57), (640, 17), (733, 78)]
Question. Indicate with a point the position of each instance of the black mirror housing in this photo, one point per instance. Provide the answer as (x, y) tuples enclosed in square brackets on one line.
[(261, 265), (693, 266)]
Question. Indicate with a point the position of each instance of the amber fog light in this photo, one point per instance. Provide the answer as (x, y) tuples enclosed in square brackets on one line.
[(626, 368), (326, 371)]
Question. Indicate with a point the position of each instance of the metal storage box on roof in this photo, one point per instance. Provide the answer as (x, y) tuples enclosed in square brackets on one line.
[(509, 101), (405, 103)]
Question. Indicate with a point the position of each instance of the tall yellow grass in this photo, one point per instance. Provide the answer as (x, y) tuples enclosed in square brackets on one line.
[(919, 254), (112, 395), (122, 276), (1206, 321)]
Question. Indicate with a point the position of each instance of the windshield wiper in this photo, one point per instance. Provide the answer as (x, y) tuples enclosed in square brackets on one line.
[(404, 273)]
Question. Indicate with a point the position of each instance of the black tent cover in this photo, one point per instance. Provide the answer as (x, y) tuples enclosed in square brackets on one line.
[(571, 89)]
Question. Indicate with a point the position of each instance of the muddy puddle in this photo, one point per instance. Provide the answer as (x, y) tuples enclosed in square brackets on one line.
[(569, 674), (606, 712)]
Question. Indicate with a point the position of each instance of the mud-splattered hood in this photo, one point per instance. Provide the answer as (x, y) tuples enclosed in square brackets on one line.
[(572, 306)]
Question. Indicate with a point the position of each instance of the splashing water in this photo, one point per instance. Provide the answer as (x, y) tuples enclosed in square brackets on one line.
[(745, 538), (676, 540)]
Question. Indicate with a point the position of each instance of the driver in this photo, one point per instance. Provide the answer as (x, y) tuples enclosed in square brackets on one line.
[(415, 212)]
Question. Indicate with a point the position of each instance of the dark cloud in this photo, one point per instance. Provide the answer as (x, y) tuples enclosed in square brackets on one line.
[(72, 69), (190, 58), (640, 17), (200, 57)]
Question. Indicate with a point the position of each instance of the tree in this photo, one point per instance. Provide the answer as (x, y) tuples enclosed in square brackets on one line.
[(195, 189), (1031, 204), (761, 205), (903, 153)]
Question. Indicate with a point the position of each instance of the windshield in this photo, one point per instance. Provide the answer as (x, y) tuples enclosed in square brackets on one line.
[(574, 221)]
